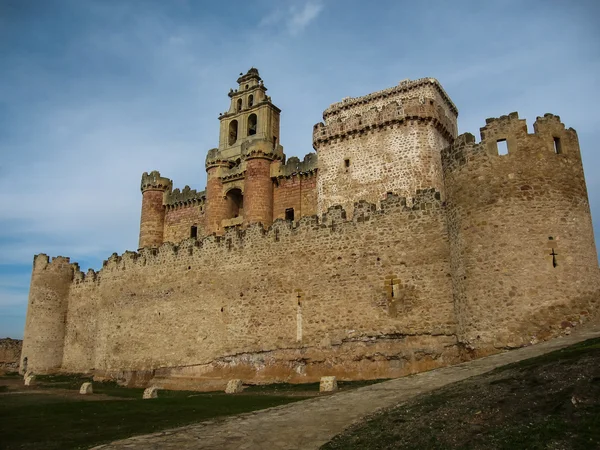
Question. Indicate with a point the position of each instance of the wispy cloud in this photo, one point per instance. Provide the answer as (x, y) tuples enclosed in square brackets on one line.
[(295, 19), (301, 18)]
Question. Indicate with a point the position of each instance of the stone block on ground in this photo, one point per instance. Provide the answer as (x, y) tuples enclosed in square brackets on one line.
[(29, 380), (234, 387), (151, 392), (328, 384), (86, 389)]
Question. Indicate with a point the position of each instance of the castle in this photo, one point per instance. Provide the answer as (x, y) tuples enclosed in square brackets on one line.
[(398, 247)]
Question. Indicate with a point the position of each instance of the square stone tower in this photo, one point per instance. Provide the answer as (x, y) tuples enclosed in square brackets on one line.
[(387, 141)]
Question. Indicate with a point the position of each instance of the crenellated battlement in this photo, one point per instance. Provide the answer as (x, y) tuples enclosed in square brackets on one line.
[(550, 136), (186, 197), (333, 220), (293, 166), (405, 86), (153, 180), (377, 118), (44, 262)]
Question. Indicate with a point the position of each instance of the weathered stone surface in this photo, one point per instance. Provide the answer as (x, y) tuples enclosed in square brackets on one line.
[(10, 354), (328, 384), (86, 389), (151, 392), (234, 387), (29, 380)]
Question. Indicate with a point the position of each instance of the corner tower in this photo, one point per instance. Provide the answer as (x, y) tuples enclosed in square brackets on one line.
[(387, 141), (239, 188), (524, 262)]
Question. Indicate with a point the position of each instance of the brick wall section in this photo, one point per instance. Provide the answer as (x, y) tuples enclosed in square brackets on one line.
[(179, 221), (152, 219), (216, 203), (258, 192), (298, 192), (44, 337), (502, 211)]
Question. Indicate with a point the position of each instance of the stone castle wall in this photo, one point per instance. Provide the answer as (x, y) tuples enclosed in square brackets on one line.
[(287, 304), (507, 215)]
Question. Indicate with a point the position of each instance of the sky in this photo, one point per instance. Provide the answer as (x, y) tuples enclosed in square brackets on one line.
[(95, 92)]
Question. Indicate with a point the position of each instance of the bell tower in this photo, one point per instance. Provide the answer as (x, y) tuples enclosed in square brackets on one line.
[(240, 189)]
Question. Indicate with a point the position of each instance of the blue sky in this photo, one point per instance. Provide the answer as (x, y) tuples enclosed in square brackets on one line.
[(95, 92)]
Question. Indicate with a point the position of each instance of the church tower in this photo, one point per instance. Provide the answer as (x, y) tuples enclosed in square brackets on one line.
[(239, 188)]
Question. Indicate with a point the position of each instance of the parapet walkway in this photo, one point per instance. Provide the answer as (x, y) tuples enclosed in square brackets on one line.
[(311, 423)]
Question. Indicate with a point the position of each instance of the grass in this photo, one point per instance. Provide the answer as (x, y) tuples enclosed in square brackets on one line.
[(547, 402), (58, 421), (33, 421)]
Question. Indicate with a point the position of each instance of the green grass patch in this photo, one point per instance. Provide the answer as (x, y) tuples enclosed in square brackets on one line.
[(32, 421), (548, 402)]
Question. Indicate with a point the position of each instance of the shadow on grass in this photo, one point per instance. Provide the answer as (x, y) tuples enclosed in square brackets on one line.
[(33, 421)]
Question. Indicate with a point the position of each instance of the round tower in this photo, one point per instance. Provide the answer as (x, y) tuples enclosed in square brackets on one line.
[(153, 211), (43, 341), (216, 202), (258, 206), (524, 262)]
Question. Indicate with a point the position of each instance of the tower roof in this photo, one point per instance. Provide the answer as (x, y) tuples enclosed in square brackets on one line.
[(252, 73)]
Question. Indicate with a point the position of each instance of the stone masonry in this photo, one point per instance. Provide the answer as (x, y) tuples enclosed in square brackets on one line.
[(398, 247)]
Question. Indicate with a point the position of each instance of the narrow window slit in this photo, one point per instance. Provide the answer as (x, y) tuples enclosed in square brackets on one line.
[(557, 146)]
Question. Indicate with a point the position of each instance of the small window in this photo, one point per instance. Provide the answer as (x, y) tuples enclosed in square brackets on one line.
[(194, 231), (557, 146), (502, 147), (246, 86), (239, 104), (250, 101), (346, 163), (251, 124), (289, 214), (233, 131)]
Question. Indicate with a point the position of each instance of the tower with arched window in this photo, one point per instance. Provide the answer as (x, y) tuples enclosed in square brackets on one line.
[(240, 189)]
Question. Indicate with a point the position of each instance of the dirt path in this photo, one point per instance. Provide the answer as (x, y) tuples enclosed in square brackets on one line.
[(311, 423)]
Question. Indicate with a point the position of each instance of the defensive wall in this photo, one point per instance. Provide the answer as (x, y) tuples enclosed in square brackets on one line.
[(363, 298)]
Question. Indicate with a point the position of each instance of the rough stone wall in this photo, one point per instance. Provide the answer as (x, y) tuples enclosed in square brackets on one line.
[(359, 299), (507, 214), (298, 192), (10, 354), (407, 90), (44, 337), (180, 219), (399, 158)]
